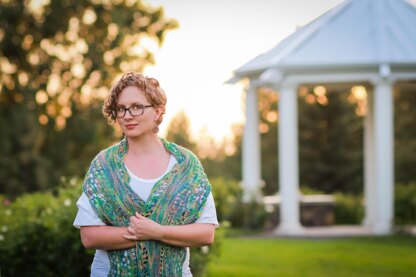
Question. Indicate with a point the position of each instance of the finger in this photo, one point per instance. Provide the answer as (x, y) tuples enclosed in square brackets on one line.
[(130, 230), (138, 215), (130, 237), (134, 219)]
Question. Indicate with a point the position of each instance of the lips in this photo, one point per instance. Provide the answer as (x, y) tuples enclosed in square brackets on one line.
[(131, 126)]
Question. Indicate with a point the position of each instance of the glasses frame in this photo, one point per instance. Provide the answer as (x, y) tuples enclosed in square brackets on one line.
[(143, 107)]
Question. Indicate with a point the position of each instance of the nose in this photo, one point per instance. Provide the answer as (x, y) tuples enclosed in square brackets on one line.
[(128, 115)]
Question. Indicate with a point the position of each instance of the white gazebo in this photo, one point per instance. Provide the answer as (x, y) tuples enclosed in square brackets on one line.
[(367, 42)]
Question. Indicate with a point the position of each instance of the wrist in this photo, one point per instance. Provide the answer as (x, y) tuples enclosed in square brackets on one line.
[(162, 230)]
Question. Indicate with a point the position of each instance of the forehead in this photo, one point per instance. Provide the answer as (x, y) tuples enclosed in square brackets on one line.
[(131, 95)]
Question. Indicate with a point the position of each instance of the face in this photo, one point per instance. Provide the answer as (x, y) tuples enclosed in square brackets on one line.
[(134, 126)]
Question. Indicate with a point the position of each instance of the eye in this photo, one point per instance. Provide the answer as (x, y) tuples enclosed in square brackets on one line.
[(136, 107), (120, 109)]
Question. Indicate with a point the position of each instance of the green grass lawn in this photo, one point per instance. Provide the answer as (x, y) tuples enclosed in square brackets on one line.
[(373, 256)]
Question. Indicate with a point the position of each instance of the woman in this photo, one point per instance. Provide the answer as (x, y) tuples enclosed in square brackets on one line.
[(145, 200)]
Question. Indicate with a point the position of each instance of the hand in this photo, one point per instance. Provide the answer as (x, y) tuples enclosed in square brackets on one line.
[(143, 228)]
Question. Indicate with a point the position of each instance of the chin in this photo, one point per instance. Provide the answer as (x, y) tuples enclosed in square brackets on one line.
[(135, 133)]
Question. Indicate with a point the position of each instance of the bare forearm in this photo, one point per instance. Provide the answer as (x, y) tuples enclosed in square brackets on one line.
[(105, 237), (188, 235)]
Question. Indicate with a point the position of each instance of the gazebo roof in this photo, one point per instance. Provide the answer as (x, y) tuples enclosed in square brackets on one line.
[(355, 33)]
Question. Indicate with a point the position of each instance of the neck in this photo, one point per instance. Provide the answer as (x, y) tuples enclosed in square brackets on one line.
[(144, 145)]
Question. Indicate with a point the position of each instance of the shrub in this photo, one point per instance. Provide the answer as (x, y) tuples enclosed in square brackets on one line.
[(405, 204), (37, 237), (348, 209), (230, 208), (37, 230), (227, 195), (201, 256)]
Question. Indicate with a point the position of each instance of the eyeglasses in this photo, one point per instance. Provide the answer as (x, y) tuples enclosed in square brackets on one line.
[(134, 110)]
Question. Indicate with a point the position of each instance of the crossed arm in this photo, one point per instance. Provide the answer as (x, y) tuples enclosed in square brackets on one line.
[(143, 228)]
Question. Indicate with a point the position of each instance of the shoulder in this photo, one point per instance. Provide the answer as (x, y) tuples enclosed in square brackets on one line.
[(180, 151)]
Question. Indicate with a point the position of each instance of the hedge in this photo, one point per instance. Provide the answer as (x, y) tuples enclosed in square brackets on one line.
[(37, 237)]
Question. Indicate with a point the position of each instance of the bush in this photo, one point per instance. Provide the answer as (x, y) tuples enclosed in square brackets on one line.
[(227, 196), (37, 237), (348, 209), (36, 230), (405, 204), (230, 208), (201, 256)]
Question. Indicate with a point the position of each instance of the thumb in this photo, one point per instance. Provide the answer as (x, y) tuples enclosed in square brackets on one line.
[(138, 215)]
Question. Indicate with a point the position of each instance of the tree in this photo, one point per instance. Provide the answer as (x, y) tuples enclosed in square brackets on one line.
[(58, 61), (222, 160), (179, 131), (331, 143), (405, 134), (268, 117)]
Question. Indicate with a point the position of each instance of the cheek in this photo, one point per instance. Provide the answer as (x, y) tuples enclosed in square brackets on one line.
[(146, 121)]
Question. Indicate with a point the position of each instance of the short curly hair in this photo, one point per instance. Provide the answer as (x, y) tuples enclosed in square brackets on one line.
[(150, 86)]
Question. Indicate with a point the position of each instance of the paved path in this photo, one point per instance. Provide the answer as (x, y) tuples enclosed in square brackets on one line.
[(333, 232)]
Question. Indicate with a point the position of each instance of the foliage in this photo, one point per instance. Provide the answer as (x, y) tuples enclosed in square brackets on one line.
[(305, 190), (330, 143), (223, 161), (405, 135), (374, 256), (405, 204), (179, 131), (214, 158), (227, 194), (348, 209), (331, 139), (58, 60), (202, 256), (231, 166), (268, 126), (230, 208), (36, 229)]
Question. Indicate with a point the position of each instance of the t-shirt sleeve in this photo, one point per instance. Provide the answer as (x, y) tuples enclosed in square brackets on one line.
[(86, 215), (209, 214)]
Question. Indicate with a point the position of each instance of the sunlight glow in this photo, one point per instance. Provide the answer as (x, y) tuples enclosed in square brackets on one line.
[(23, 78), (323, 100), (197, 59), (359, 96), (319, 91), (89, 17), (359, 92), (41, 97), (43, 119)]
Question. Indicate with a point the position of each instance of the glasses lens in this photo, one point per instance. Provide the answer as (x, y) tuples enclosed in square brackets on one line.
[(136, 110), (119, 112)]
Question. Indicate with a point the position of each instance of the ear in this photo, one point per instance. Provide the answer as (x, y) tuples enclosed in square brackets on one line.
[(158, 113)]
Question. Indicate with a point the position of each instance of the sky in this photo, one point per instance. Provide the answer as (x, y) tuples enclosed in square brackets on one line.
[(215, 38)]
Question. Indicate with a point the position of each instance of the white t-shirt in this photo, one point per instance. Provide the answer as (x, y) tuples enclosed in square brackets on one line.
[(86, 216)]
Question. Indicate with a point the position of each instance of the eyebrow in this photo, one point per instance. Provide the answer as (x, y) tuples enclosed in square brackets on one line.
[(136, 103)]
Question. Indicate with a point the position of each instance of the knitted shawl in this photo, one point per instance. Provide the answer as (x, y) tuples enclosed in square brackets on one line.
[(177, 198)]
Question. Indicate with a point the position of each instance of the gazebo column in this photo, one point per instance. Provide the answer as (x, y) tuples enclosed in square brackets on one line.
[(383, 157), (288, 161), (251, 148), (369, 181)]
